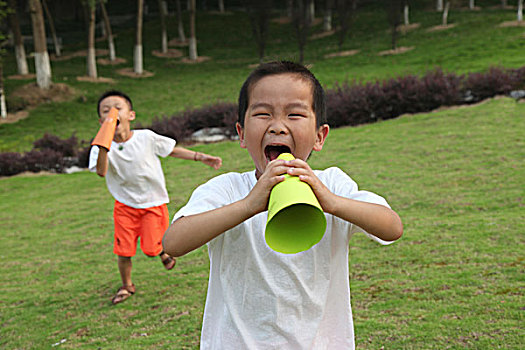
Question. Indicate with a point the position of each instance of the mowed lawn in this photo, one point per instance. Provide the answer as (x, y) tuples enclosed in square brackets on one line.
[(454, 280)]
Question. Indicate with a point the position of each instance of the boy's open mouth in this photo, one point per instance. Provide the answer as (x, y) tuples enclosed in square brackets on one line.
[(118, 122), (273, 151)]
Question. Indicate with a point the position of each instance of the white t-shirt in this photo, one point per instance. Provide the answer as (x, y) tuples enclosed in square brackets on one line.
[(260, 299), (135, 176)]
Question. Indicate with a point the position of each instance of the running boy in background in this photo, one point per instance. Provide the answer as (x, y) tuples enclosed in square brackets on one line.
[(135, 179), (258, 298)]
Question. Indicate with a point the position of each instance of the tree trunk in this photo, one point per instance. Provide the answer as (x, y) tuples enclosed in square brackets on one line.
[(327, 16), (193, 39), (109, 33), (3, 106), (504, 3), (164, 33), (137, 54), (310, 11), (302, 25), (445, 13), (180, 25), (471, 4), (42, 65), (406, 14), (221, 6), (20, 52), (439, 5), (520, 10), (91, 54), (52, 28)]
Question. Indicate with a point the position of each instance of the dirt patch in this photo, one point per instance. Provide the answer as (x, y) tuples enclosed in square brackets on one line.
[(31, 96), (282, 20), (178, 43), (199, 59), (95, 80), (323, 34), (171, 53), (130, 73), (341, 54), (397, 51), (22, 77), (108, 62), (512, 24), (81, 53), (441, 27), (405, 28)]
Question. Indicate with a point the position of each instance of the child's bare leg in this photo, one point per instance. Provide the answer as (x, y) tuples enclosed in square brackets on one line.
[(124, 267)]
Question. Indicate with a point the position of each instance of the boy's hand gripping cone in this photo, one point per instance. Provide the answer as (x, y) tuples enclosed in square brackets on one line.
[(296, 221), (107, 130)]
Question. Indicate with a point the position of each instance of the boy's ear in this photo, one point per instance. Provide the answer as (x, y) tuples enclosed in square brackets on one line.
[(132, 115), (322, 134), (240, 132)]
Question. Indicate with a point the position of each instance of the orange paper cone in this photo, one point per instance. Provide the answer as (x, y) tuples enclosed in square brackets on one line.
[(107, 130)]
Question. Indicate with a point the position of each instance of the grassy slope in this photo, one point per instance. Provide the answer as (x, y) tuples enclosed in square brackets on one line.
[(474, 44), (455, 177)]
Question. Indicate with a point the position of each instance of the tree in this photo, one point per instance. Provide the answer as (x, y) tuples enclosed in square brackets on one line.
[(193, 38), (439, 5), (394, 18), (221, 6), (91, 53), (327, 15), (445, 13), (259, 14), (137, 53), (42, 65), (3, 106), (20, 52), (180, 25), (109, 33), (302, 25), (345, 11), (406, 13), (164, 32), (51, 24), (520, 10), (471, 4)]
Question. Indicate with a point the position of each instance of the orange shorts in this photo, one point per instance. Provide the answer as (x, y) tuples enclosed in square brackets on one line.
[(130, 223)]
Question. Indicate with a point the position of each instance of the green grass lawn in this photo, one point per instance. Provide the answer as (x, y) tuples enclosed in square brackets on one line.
[(455, 176), (455, 279)]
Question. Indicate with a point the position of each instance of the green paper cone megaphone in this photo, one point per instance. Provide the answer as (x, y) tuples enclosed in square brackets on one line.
[(296, 221)]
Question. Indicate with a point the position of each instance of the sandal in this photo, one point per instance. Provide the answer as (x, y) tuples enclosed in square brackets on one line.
[(169, 262), (123, 293)]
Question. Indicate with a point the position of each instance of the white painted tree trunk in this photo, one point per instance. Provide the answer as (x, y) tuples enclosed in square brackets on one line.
[(21, 61), (193, 38), (311, 11), (108, 32), (163, 9), (92, 63), (471, 4), (327, 20), (3, 106), (180, 25), (42, 64), (43, 69), (221, 6), (503, 3), (439, 5), (520, 10), (111, 47), (137, 60), (445, 13), (406, 15)]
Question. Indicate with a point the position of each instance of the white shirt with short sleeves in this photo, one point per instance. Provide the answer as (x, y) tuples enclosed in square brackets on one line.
[(260, 299), (135, 176)]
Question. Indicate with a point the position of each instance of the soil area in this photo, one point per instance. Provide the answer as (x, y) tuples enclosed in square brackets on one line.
[(399, 50), (171, 53), (129, 72), (32, 96)]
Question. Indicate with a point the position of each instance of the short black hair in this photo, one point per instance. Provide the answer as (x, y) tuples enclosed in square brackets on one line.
[(113, 93), (282, 67)]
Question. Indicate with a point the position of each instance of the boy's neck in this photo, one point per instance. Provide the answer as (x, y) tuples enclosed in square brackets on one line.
[(123, 136)]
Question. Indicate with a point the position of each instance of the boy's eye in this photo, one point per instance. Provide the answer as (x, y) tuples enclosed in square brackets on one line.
[(261, 114), (296, 115)]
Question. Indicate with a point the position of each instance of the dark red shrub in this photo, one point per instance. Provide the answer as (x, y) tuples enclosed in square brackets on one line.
[(67, 147), (11, 163), (46, 159)]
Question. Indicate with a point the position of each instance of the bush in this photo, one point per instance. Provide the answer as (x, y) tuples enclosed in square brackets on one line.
[(11, 163), (67, 147), (46, 159), (479, 86)]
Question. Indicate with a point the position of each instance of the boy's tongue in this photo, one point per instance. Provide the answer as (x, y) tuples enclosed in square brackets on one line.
[(272, 152)]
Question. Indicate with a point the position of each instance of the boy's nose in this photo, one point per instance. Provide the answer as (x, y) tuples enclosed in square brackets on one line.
[(277, 127)]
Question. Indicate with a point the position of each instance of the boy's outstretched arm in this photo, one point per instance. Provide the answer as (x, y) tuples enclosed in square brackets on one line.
[(375, 219), (184, 153), (102, 161)]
